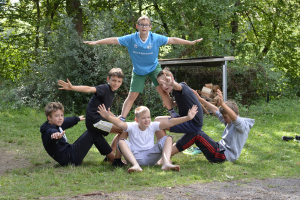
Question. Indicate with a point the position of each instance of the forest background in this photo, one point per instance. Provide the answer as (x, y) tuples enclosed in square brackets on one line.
[(41, 41)]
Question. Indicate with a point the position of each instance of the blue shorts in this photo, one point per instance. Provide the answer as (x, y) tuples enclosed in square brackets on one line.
[(186, 127)]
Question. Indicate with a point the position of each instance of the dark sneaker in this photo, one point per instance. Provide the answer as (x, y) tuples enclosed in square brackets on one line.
[(118, 163), (286, 138), (105, 159), (297, 137)]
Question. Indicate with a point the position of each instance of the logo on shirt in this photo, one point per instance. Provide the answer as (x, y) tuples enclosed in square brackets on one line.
[(135, 46), (149, 46)]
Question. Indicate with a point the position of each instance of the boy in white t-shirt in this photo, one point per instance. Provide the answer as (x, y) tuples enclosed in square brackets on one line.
[(140, 150)]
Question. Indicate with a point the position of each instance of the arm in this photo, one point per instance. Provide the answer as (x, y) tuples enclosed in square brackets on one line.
[(208, 105), (228, 110), (167, 123), (111, 40), (82, 88), (174, 40), (106, 114)]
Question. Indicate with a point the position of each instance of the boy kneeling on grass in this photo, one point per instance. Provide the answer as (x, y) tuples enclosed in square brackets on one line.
[(140, 149), (55, 140)]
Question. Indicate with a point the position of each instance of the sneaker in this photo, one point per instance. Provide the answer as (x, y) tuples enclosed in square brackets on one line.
[(192, 151), (286, 138), (105, 159), (104, 126), (118, 163), (297, 137)]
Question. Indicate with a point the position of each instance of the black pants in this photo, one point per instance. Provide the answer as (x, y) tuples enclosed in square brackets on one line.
[(82, 145), (208, 146)]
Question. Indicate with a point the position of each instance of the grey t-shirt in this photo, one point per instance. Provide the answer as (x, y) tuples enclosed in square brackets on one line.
[(234, 136)]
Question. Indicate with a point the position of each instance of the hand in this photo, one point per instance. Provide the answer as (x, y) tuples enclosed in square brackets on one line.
[(103, 112), (220, 97), (192, 112), (64, 85), (81, 118), (90, 42), (196, 93), (168, 80), (196, 41), (57, 135)]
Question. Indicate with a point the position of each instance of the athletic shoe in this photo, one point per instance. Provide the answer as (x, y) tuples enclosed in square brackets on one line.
[(104, 126), (297, 137), (118, 163), (286, 138), (105, 159), (192, 151)]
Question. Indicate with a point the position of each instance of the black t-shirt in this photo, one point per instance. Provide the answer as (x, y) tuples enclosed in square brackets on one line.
[(185, 99), (104, 95)]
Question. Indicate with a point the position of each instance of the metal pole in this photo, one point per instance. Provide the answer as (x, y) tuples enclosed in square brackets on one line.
[(225, 81)]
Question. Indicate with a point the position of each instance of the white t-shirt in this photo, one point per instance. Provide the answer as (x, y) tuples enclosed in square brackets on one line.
[(142, 140)]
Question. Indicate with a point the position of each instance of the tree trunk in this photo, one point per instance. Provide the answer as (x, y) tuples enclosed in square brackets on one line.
[(73, 9)]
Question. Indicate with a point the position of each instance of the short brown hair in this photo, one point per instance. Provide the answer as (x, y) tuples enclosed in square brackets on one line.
[(144, 17), (166, 71), (139, 110), (116, 72), (53, 107), (232, 106)]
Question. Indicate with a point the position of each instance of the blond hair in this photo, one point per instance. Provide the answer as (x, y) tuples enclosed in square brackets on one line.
[(164, 71), (144, 17), (53, 107), (233, 106), (140, 110), (116, 72)]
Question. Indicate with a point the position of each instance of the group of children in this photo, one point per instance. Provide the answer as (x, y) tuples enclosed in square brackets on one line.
[(143, 47)]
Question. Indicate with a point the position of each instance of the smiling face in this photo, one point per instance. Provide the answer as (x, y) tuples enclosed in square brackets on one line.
[(144, 120), (56, 118), (163, 84), (114, 82), (144, 26)]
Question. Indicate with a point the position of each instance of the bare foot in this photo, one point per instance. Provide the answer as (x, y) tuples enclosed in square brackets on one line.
[(160, 162), (167, 167), (134, 168)]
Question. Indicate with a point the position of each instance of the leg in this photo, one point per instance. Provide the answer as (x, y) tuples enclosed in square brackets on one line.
[(165, 97), (129, 157), (128, 103), (166, 156), (160, 134)]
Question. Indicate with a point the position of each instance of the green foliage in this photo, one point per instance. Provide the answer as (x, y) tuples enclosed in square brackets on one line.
[(264, 155)]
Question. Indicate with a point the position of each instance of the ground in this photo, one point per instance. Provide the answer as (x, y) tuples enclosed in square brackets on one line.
[(242, 189)]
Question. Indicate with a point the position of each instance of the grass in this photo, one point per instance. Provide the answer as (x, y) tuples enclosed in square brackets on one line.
[(264, 156)]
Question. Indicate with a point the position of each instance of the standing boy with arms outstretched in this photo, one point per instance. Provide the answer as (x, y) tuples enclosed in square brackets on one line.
[(140, 149), (103, 94), (143, 47), (55, 140)]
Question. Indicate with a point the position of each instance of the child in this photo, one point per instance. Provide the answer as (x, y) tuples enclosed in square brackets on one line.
[(184, 98), (234, 136), (140, 150), (103, 94), (143, 48), (55, 140)]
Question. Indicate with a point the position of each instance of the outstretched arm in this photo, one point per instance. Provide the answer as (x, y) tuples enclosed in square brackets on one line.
[(228, 110), (167, 123), (82, 88), (174, 40), (106, 114), (111, 40), (208, 105)]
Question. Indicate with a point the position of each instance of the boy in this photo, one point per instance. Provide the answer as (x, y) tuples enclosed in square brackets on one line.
[(55, 140), (103, 94), (143, 47), (140, 150), (184, 99), (235, 134)]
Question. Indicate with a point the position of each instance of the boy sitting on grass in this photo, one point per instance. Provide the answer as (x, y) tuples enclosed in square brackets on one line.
[(234, 136), (55, 141), (140, 149)]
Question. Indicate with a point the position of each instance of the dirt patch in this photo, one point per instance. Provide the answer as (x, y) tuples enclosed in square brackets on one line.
[(256, 189), (11, 159)]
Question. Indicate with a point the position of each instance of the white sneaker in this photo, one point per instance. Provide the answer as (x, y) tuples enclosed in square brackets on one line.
[(104, 126)]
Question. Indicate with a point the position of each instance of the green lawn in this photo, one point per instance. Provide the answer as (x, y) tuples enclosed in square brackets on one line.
[(265, 155)]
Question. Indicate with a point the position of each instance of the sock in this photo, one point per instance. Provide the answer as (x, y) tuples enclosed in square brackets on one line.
[(173, 113), (118, 162), (122, 119)]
